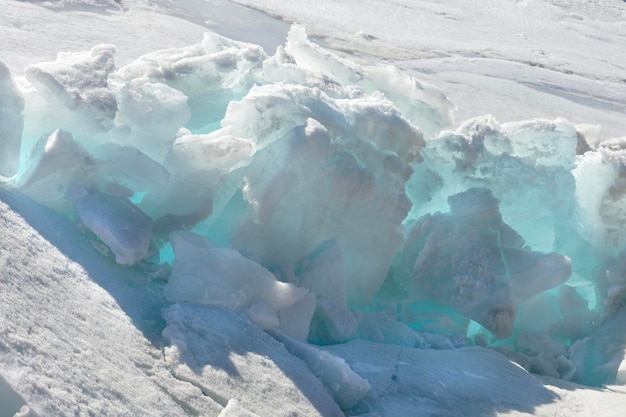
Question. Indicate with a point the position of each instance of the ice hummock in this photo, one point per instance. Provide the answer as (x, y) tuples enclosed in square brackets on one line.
[(11, 123), (325, 201)]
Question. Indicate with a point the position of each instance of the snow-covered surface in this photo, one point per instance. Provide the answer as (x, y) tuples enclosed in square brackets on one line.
[(513, 59), (78, 336), (82, 335)]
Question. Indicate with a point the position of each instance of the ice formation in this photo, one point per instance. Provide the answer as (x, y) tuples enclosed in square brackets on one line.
[(326, 202), (11, 123)]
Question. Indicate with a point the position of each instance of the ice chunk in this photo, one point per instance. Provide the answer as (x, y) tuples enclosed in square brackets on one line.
[(426, 382), (610, 279), (76, 86), (310, 186), (11, 123), (218, 151), (424, 106), (343, 384), (471, 261), (324, 273), (118, 223), (128, 166), (56, 162), (543, 142), (379, 328), (598, 357), (54, 153), (154, 112), (296, 319), (331, 323), (263, 316), (228, 357), (199, 165), (536, 191), (210, 74), (221, 277)]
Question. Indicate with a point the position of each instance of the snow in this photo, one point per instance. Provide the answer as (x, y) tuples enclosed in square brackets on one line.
[(359, 180)]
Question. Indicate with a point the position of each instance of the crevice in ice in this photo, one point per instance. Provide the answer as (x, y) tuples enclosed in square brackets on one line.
[(394, 376), (207, 392)]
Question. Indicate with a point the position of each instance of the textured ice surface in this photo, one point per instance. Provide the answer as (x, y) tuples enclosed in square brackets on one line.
[(345, 386), (427, 382), (227, 356), (76, 88)]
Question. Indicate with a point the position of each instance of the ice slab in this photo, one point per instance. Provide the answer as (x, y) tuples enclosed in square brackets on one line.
[(221, 277), (344, 385), (227, 356), (56, 162), (471, 381), (76, 87), (118, 223), (11, 123)]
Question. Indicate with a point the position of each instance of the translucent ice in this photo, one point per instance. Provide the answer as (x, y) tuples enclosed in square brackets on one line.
[(221, 277), (76, 87), (424, 106), (209, 74), (343, 384), (56, 162), (471, 261), (118, 223), (11, 123)]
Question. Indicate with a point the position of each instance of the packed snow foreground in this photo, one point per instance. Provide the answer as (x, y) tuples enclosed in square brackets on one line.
[(295, 235)]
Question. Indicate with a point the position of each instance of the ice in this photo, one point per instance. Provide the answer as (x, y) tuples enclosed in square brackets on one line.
[(324, 273), (424, 382), (296, 319), (227, 356), (597, 358), (324, 201), (11, 123), (76, 88), (473, 262), (343, 384), (76, 338), (118, 223), (424, 106), (331, 323), (382, 329), (210, 74), (129, 167), (56, 162), (221, 277), (340, 181)]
